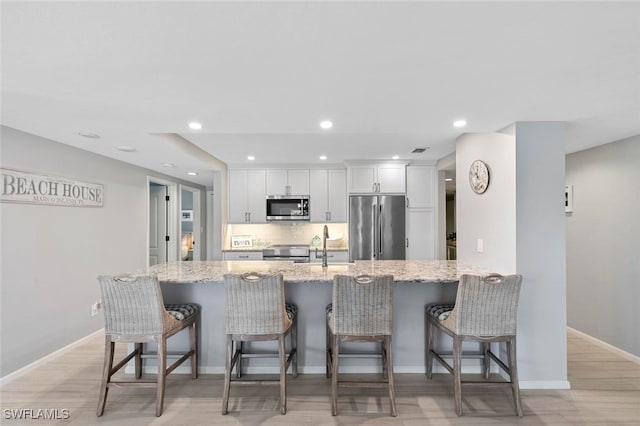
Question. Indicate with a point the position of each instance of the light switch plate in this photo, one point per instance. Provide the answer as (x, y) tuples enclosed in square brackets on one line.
[(480, 245)]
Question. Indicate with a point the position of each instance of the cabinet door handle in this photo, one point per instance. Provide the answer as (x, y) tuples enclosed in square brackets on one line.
[(407, 243), (407, 201), (329, 216), (248, 216), (243, 256)]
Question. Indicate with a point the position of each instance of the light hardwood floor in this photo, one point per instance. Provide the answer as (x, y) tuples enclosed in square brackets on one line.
[(605, 391)]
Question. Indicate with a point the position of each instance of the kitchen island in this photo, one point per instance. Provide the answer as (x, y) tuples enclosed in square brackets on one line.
[(309, 287)]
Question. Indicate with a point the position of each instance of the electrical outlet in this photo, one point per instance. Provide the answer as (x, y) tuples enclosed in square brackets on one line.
[(95, 308)]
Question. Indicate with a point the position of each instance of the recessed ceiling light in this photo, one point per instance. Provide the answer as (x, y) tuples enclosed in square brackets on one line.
[(251, 158), (170, 165), (89, 135), (326, 124), (192, 173), (395, 157), (194, 125), (448, 180), (459, 123), (323, 157), (126, 148)]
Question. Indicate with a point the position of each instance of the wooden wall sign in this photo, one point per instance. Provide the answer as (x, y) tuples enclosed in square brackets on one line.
[(25, 187)]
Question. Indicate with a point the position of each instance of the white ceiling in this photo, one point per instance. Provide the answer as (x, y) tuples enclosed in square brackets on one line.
[(260, 76)]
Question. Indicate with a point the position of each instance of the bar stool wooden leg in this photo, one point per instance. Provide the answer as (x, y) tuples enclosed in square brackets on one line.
[(388, 360), (162, 374), (138, 359), (430, 331), (294, 348), (513, 373), (383, 351), (335, 352), (194, 350), (227, 376), (457, 371), (283, 375), (486, 361), (239, 347), (328, 351), (109, 348)]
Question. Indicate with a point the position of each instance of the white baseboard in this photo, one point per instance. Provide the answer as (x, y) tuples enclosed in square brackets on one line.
[(12, 376), (544, 384), (629, 356)]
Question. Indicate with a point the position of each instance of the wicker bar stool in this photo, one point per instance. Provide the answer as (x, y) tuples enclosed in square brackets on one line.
[(484, 311), (134, 312), (255, 310), (361, 311)]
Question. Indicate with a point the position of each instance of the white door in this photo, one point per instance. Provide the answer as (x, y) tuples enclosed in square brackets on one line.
[(158, 246)]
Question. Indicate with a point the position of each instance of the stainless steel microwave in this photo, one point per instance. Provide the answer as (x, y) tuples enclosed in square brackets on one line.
[(287, 207)]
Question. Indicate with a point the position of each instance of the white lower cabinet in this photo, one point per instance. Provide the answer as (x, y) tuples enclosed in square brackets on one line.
[(333, 256), (242, 255)]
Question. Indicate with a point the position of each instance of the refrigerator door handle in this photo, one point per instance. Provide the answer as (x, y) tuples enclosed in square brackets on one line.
[(376, 228), (380, 228)]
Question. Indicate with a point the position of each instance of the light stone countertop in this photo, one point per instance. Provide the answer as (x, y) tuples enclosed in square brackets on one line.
[(212, 271)]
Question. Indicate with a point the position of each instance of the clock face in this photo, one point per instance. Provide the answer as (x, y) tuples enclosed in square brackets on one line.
[(479, 176)]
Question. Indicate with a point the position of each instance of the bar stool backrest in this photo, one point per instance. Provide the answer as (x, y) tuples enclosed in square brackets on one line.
[(485, 305), (255, 304), (133, 305), (362, 305)]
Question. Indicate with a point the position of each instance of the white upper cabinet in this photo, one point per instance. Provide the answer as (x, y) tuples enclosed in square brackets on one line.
[(382, 178), (247, 201), (421, 186), (328, 195), (287, 182)]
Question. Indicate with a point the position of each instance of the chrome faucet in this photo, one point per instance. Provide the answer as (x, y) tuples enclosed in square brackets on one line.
[(325, 235)]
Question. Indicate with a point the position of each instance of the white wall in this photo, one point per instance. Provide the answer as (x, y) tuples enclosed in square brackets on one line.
[(521, 222), (51, 255), (603, 243)]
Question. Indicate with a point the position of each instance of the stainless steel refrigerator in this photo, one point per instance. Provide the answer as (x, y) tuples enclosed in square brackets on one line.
[(377, 227)]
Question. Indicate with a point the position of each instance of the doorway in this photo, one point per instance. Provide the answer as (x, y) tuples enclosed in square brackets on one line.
[(162, 230), (191, 242)]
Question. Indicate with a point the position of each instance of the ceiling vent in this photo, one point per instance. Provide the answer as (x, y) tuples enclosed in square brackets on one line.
[(419, 150)]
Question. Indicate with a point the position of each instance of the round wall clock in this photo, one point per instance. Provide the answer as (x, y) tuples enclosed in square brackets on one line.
[(479, 176)]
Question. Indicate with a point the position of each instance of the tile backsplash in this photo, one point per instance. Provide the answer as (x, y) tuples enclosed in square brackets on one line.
[(285, 233)]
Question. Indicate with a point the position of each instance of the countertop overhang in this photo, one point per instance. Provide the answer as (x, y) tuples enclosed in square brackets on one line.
[(412, 271)]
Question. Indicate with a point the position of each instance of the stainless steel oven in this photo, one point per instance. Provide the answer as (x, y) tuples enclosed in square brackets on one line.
[(294, 253), (287, 207)]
